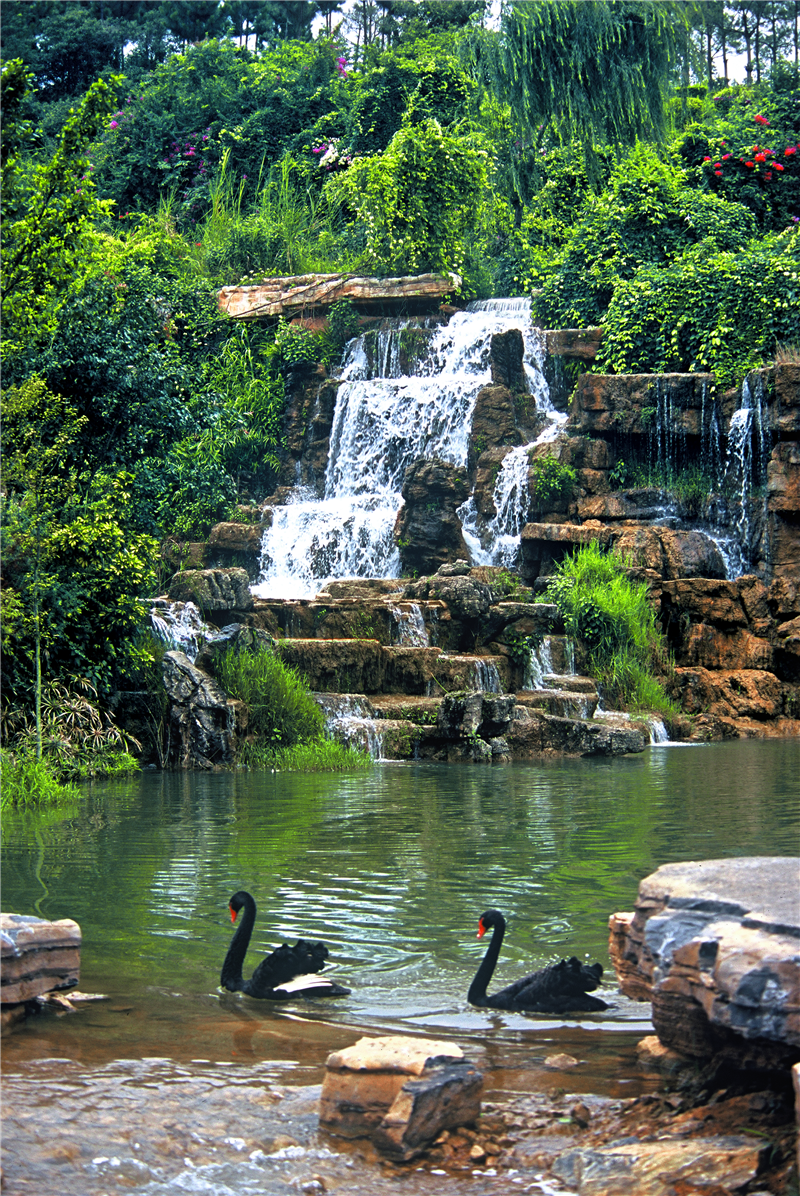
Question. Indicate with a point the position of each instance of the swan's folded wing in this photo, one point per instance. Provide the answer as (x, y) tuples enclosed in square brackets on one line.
[(285, 963)]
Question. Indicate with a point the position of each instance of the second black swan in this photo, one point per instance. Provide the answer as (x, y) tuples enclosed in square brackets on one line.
[(288, 972), (562, 987)]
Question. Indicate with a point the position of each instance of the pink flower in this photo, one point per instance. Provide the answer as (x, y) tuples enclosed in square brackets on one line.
[(725, 157), (760, 120), (113, 125)]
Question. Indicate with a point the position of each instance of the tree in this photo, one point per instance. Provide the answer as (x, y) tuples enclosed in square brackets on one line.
[(51, 208), (599, 72)]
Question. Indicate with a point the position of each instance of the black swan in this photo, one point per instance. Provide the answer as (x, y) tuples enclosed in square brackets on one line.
[(559, 988), (288, 972)]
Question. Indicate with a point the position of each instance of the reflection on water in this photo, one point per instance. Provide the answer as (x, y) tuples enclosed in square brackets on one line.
[(391, 870)]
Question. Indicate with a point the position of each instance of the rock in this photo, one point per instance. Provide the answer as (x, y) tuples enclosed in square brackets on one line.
[(201, 713), (401, 1092), (493, 422), (560, 1062), (783, 478), (625, 403), (234, 636), (796, 1085), (734, 693), (213, 589), (428, 531), (497, 715), (37, 956), (310, 292), (715, 1165), (506, 352), (338, 666), (466, 598), (236, 545), (545, 734), (443, 1098), (460, 715), (578, 344), (544, 543), (716, 944)]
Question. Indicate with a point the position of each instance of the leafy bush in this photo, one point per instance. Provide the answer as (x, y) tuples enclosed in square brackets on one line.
[(418, 199), (721, 312), (318, 755), (612, 616), (648, 215), (552, 480), (79, 742)]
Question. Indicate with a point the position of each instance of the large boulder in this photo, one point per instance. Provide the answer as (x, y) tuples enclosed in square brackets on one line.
[(200, 712), (715, 945), (534, 733), (237, 545), (213, 590), (428, 530)]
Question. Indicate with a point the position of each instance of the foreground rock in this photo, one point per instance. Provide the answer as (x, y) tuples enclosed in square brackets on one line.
[(36, 957), (715, 946), (400, 1092), (201, 715)]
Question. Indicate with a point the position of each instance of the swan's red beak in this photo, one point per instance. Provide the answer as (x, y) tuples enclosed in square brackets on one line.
[(481, 929), (233, 914)]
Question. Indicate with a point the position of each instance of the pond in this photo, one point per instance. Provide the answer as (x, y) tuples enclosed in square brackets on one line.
[(391, 868)]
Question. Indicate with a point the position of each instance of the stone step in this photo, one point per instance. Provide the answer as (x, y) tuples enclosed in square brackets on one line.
[(570, 681), (567, 703)]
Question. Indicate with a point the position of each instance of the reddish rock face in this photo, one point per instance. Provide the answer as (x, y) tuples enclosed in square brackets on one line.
[(614, 403), (734, 693), (783, 478)]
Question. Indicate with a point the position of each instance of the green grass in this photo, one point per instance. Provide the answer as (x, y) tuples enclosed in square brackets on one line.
[(612, 616), (318, 755), (285, 728), (26, 781)]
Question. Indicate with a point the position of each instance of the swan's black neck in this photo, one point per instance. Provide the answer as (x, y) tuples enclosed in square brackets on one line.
[(231, 977), (477, 990)]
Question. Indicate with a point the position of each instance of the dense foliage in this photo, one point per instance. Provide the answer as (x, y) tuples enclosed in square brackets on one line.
[(587, 154)]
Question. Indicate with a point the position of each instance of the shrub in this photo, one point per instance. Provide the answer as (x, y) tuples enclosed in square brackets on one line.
[(26, 781), (612, 616), (552, 480), (281, 711), (319, 755)]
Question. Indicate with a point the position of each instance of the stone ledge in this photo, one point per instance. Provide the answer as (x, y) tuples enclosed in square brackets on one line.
[(715, 945), (37, 956), (300, 294)]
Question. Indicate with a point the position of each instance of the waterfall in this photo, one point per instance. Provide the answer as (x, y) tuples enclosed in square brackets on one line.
[(658, 732), (486, 677), (180, 626), (411, 629), (383, 421), (350, 719), (540, 662)]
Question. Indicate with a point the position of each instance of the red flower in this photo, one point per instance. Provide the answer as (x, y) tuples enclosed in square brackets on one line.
[(762, 157), (790, 149), (718, 173), (777, 166), (706, 159), (749, 164), (760, 120), (768, 175), (725, 157)]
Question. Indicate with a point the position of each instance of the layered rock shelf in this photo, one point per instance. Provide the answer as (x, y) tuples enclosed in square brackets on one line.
[(37, 957), (715, 946), (304, 294)]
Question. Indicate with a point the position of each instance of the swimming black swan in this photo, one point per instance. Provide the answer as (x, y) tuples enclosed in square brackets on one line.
[(559, 988), (287, 972)]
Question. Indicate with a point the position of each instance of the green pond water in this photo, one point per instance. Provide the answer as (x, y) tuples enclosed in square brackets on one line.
[(391, 868)]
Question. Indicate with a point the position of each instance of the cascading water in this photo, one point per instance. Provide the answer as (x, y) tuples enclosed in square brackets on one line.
[(383, 421), (486, 677), (411, 629), (180, 625)]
